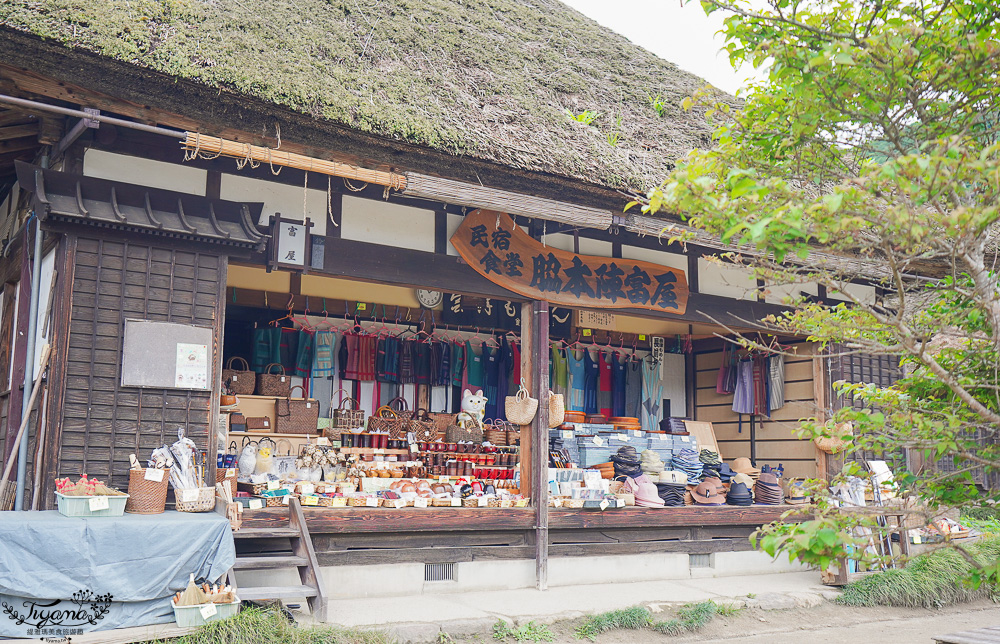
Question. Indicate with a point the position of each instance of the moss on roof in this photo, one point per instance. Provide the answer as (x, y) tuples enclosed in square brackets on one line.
[(491, 79)]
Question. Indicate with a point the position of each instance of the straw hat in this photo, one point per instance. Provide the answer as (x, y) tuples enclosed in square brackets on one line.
[(674, 477), (743, 465), (745, 479)]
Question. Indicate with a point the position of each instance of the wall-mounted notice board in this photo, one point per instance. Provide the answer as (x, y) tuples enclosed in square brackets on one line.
[(166, 355)]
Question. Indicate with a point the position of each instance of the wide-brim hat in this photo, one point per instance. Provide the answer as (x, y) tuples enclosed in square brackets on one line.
[(708, 494), (739, 494), (673, 477), (744, 466), (769, 480), (647, 495), (745, 479), (714, 481)]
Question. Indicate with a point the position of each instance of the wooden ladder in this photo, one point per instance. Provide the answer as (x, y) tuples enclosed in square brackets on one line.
[(299, 554)]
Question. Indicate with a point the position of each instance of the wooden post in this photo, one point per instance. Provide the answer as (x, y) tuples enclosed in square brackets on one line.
[(527, 368), (540, 440), (823, 460)]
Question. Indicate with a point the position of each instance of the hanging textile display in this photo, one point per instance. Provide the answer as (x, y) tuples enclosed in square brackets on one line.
[(491, 368), (652, 395), (266, 348), (618, 386), (325, 354), (633, 387), (604, 384), (577, 380), (743, 393), (591, 377), (304, 353), (558, 374), (475, 377), (777, 376)]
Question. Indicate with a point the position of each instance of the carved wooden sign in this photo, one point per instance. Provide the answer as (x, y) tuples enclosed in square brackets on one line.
[(509, 257)]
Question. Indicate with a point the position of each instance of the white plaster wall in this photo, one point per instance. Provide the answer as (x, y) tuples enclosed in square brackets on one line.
[(389, 224), (454, 221), (863, 292), (278, 197), (726, 280), (672, 260), (751, 562), (778, 293), (144, 172)]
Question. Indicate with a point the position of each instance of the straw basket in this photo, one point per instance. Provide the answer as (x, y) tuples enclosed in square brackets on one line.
[(521, 408), (273, 384), (472, 432), (496, 434), (422, 425), (220, 477), (837, 442), (146, 496), (298, 415), (240, 381), (203, 501), (557, 409)]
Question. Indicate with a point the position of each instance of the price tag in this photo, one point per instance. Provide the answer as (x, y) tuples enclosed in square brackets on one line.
[(282, 379), (208, 610), (361, 307), (622, 437), (310, 500), (521, 503), (442, 479), (686, 439), (154, 474), (482, 502), (230, 473), (663, 437), (598, 442), (256, 504), (371, 502), (604, 505), (567, 434), (557, 503), (456, 503), (505, 503), (186, 496), (380, 465), (99, 502), (587, 333), (379, 450), (399, 504), (420, 502), (267, 422), (287, 499), (642, 338), (323, 441), (308, 488), (309, 405), (235, 377), (637, 433)]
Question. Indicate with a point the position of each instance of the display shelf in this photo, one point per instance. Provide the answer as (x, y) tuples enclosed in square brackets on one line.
[(372, 450), (273, 434)]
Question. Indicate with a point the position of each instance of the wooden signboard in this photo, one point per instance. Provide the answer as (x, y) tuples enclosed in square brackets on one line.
[(511, 258)]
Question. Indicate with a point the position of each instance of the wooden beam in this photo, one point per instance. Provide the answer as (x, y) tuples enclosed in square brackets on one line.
[(16, 145), (540, 440), (16, 117), (18, 131)]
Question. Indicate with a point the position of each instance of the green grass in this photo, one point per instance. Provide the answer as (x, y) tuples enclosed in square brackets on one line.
[(269, 626), (694, 617), (530, 632), (633, 618), (928, 581)]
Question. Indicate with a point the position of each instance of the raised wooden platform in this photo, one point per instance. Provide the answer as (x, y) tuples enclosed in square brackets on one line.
[(365, 536)]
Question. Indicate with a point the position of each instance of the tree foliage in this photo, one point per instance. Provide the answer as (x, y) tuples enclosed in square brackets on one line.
[(869, 154)]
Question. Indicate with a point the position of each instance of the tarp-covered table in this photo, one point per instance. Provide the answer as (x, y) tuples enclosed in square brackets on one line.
[(57, 572)]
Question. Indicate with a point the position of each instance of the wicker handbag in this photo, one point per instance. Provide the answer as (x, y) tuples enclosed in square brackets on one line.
[(344, 417), (495, 432), (393, 418), (240, 381), (422, 425), (273, 384), (557, 409), (442, 421), (473, 430), (146, 495), (296, 416), (521, 408), (258, 424)]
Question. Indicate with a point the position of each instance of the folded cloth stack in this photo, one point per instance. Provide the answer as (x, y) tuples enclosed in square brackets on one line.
[(646, 494), (708, 457), (626, 461), (743, 465), (709, 492), (651, 464), (739, 491), (671, 488), (767, 490), (687, 461)]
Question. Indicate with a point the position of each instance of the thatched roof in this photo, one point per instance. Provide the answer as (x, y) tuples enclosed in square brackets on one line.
[(484, 79)]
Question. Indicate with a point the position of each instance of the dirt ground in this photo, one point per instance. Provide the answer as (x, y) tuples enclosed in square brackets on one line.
[(825, 624)]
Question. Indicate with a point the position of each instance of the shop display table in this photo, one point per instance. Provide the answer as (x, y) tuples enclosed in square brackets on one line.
[(70, 575)]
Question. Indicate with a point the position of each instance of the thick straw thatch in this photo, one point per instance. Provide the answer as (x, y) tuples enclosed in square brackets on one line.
[(488, 79)]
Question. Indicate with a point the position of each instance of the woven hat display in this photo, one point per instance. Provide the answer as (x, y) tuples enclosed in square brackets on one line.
[(651, 463), (671, 493), (708, 457), (626, 461), (707, 493), (739, 494), (744, 466), (767, 490), (687, 461)]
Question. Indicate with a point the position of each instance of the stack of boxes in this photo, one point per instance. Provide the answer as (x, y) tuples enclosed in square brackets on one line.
[(588, 444)]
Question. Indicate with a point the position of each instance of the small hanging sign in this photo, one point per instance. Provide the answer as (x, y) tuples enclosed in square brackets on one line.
[(289, 246)]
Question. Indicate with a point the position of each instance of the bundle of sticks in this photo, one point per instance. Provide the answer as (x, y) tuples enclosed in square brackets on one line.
[(194, 595)]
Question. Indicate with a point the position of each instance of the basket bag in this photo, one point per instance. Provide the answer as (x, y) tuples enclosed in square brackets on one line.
[(496, 432), (258, 424), (521, 408), (389, 419), (473, 430), (442, 421), (837, 442), (273, 384), (343, 417), (240, 381), (557, 409), (423, 427), (296, 416), (146, 496)]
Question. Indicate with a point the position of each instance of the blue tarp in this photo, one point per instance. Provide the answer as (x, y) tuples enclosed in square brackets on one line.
[(140, 560)]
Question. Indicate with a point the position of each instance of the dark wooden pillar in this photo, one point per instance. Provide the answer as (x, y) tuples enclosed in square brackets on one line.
[(539, 389)]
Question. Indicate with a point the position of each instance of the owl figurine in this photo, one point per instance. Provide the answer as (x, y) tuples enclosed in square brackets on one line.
[(248, 461)]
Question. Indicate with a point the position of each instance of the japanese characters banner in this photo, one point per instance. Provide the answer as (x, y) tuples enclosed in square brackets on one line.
[(509, 257)]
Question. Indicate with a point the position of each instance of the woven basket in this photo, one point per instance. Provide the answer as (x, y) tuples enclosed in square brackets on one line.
[(258, 423), (343, 418), (441, 503), (513, 435), (496, 434), (273, 384), (145, 496), (573, 503), (240, 381), (422, 425), (471, 502), (389, 419), (836, 443), (628, 498), (361, 502), (441, 422), (473, 431), (521, 408), (557, 409), (493, 502), (325, 502), (220, 477), (204, 503), (272, 501), (296, 416), (253, 489)]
